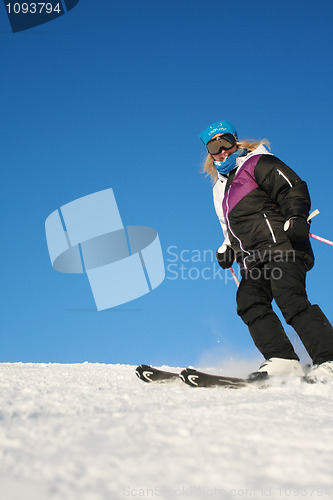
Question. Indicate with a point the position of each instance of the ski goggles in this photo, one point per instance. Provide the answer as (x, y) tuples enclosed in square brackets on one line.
[(225, 141)]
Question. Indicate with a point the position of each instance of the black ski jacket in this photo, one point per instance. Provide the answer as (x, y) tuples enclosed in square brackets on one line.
[(254, 201)]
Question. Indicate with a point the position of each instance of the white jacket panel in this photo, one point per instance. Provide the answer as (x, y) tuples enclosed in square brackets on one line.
[(218, 195)]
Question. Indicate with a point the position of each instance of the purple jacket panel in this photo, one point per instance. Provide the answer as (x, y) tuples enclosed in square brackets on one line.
[(242, 184)]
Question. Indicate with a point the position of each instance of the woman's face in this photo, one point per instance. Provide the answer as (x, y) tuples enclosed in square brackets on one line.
[(224, 153)]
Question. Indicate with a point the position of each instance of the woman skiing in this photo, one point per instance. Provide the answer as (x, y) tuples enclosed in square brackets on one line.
[(263, 207)]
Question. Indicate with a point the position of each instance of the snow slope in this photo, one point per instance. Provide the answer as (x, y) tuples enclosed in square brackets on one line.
[(95, 431)]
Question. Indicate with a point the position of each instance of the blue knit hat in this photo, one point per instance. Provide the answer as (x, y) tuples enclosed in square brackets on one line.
[(223, 127)]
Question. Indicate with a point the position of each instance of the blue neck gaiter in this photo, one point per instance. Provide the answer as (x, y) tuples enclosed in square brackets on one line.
[(224, 167)]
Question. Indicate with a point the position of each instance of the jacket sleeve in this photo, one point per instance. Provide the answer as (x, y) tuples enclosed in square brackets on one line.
[(218, 194), (283, 186)]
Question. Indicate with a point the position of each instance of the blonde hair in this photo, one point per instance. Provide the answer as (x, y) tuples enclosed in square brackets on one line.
[(208, 167)]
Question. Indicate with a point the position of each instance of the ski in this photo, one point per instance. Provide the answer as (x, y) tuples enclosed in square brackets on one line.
[(196, 378), (150, 374)]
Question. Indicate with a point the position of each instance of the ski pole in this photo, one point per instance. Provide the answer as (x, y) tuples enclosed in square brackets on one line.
[(319, 238), (234, 276), (314, 236)]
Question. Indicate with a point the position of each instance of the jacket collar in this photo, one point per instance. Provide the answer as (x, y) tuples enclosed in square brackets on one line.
[(260, 150)]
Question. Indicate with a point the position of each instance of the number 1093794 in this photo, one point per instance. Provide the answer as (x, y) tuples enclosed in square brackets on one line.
[(33, 8)]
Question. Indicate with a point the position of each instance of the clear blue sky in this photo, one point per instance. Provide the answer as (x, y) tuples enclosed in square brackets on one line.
[(114, 94)]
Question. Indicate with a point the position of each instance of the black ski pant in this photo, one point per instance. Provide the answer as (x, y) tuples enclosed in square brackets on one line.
[(285, 282)]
